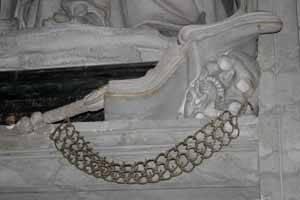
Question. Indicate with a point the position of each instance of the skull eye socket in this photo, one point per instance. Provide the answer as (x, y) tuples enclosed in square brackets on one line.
[(226, 77), (225, 63), (244, 85), (189, 96), (212, 67)]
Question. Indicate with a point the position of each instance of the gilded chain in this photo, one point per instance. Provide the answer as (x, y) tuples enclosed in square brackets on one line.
[(183, 157)]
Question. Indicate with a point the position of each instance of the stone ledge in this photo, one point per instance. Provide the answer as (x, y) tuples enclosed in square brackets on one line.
[(31, 164)]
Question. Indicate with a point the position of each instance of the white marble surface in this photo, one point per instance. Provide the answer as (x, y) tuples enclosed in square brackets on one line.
[(235, 173), (152, 194), (32, 169), (67, 45), (280, 109)]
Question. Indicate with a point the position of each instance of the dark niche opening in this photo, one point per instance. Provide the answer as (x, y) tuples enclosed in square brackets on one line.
[(25, 92)]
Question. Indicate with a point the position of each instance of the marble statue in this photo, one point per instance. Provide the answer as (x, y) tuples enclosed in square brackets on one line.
[(26, 12), (212, 65), (7, 21), (164, 13), (79, 31), (210, 74), (207, 71), (212, 68), (262, 164)]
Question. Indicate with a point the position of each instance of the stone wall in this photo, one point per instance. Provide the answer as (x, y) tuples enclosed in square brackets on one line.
[(279, 105)]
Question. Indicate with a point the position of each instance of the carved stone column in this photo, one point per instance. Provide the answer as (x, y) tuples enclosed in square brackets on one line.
[(7, 21)]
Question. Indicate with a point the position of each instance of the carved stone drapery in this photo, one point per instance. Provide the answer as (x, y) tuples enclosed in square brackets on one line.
[(7, 21), (65, 33), (172, 14)]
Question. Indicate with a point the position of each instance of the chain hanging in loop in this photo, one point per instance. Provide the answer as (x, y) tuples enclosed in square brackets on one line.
[(182, 158)]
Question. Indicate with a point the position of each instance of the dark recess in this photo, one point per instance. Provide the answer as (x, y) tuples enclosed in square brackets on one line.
[(24, 92)]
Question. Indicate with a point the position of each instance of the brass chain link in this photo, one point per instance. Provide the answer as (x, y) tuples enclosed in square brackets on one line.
[(184, 157)]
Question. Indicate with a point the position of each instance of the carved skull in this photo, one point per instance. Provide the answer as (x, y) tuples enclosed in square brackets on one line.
[(226, 83)]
